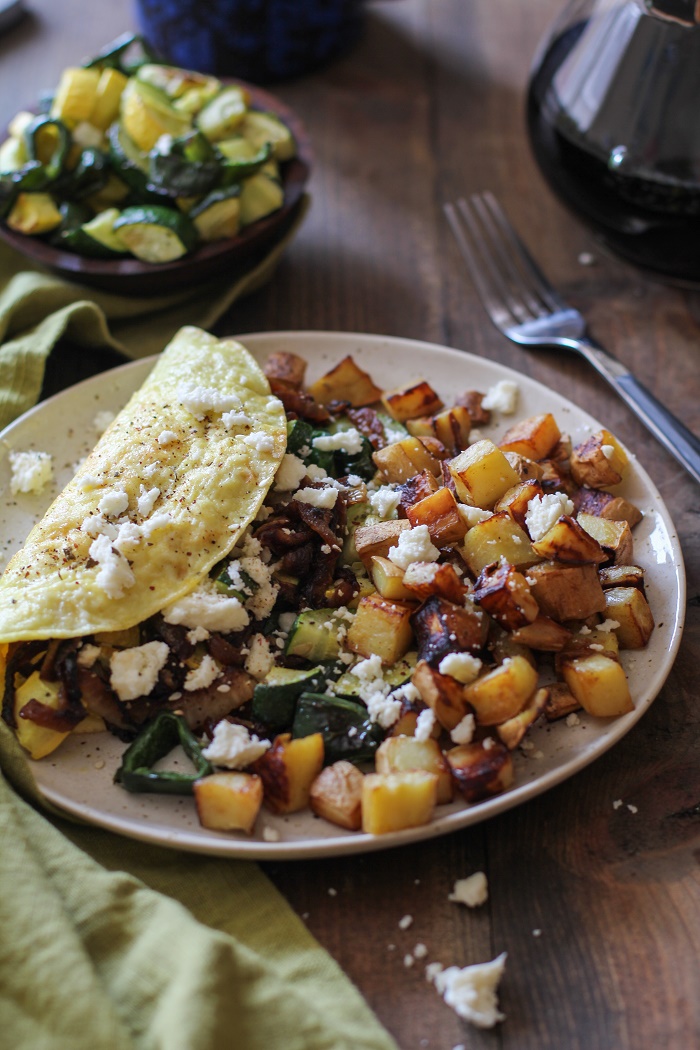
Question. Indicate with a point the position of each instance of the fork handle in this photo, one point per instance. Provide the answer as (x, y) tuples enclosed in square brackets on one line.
[(666, 428)]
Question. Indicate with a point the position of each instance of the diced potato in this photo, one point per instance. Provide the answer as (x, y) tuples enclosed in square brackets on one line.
[(38, 740), (33, 214), (443, 627), (599, 461), (440, 513), (416, 489), (614, 537), (472, 401), (346, 382), (423, 579), (377, 540), (482, 474), (423, 426), (543, 634), (620, 509), (502, 646), (560, 702), (481, 769), (388, 579), (411, 400), (621, 576), (566, 592), (228, 801), (630, 608), (599, 684), (394, 801), (288, 769), (504, 594), (592, 641), (403, 459), (336, 795), (503, 692), (526, 469), (534, 437), (383, 627), (287, 368), (452, 427), (512, 731), (515, 500), (399, 753), (568, 542), (498, 537), (443, 694)]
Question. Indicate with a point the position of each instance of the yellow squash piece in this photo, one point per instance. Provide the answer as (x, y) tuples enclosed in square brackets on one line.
[(76, 95), (34, 214)]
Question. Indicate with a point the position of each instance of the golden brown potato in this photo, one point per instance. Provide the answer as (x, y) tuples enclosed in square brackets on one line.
[(399, 753), (394, 801), (498, 537), (411, 401), (599, 684), (288, 769), (443, 627), (452, 427), (416, 489), (345, 382), (482, 474), (566, 592), (512, 731), (543, 634), (504, 594), (388, 579), (629, 607), (621, 576), (381, 626), (614, 537), (336, 795), (443, 695), (515, 500), (534, 437), (481, 769), (560, 702), (502, 693), (569, 542), (599, 461), (403, 459), (228, 801), (526, 469), (376, 540), (288, 368), (440, 513), (427, 578)]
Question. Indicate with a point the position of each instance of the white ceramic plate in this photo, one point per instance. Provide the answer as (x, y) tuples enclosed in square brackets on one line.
[(78, 777)]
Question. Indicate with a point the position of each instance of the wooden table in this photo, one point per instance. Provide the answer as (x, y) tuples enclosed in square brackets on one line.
[(427, 107)]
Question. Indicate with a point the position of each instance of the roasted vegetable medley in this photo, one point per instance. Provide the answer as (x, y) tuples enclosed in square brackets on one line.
[(416, 597), (130, 157)]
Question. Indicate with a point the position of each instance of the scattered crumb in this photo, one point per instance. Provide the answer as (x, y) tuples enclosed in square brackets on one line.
[(471, 891), (538, 754), (420, 951), (537, 933), (617, 803), (587, 259), (270, 834), (100, 764), (405, 922), (391, 947), (432, 970), (573, 719), (408, 960), (332, 892), (632, 809)]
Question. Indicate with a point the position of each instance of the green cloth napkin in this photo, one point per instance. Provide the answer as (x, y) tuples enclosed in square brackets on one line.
[(37, 309), (110, 944)]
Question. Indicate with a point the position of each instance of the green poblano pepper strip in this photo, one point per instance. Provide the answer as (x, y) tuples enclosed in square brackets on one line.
[(55, 165), (113, 56), (155, 741), (88, 176), (190, 167)]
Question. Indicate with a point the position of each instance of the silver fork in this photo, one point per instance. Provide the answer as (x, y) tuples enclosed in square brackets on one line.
[(527, 309)]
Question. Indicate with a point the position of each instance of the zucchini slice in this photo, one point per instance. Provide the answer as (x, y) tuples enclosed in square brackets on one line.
[(260, 196), (156, 234), (218, 215), (314, 635), (222, 116), (96, 238), (275, 699), (259, 127), (346, 728)]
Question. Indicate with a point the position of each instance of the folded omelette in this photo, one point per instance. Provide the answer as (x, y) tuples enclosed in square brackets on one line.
[(165, 495)]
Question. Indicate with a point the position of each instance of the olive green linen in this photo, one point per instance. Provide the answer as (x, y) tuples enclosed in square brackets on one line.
[(109, 944), (37, 309)]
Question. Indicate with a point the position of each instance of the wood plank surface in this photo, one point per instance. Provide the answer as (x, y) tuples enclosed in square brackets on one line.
[(427, 107)]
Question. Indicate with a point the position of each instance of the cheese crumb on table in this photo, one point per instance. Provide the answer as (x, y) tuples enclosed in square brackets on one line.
[(472, 890), (472, 991), (31, 471), (405, 922)]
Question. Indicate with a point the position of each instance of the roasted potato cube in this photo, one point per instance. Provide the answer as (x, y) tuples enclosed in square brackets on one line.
[(452, 427), (502, 646), (443, 627), (228, 801), (605, 505), (526, 469), (404, 459), (443, 695), (534, 437), (38, 740), (416, 489), (288, 368), (504, 594), (336, 795), (405, 724), (598, 461), (383, 627), (411, 401), (592, 641), (482, 474), (512, 731), (502, 693), (423, 426), (621, 576), (377, 540), (569, 542), (599, 684), (472, 401), (388, 579), (543, 634), (629, 607), (498, 537), (566, 592), (560, 702), (394, 801), (288, 769), (399, 753), (427, 578), (440, 513), (614, 537), (481, 769), (346, 382), (515, 500)]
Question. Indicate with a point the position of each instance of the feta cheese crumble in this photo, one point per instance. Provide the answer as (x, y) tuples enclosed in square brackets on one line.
[(236, 419), (114, 575), (414, 545), (424, 724), (260, 442), (113, 503), (31, 471), (544, 511), (260, 659), (147, 500), (385, 501), (134, 672), (349, 441), (471, 516), (324, 499), (234, 747), (503, 397), (202, 676), (166, 437), (463, 732), (472, 991), (289, 473), (200, 401), (472, 891), (205, 607), (462, 666)]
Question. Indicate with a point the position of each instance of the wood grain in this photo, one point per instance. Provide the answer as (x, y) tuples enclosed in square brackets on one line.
[(430, 106)]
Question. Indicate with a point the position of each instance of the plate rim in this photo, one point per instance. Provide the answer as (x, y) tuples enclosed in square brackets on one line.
[(465, 816)]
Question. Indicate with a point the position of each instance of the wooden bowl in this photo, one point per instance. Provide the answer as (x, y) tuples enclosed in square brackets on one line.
[(214, 259)]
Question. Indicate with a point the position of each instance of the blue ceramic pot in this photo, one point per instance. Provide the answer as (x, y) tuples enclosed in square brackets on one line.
[(257, 40)]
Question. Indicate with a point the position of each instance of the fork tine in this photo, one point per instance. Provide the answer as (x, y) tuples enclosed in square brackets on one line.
[(493, 304), (526, 265)]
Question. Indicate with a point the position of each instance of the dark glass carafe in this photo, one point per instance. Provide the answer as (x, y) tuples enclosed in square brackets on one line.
[(613, 112)]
